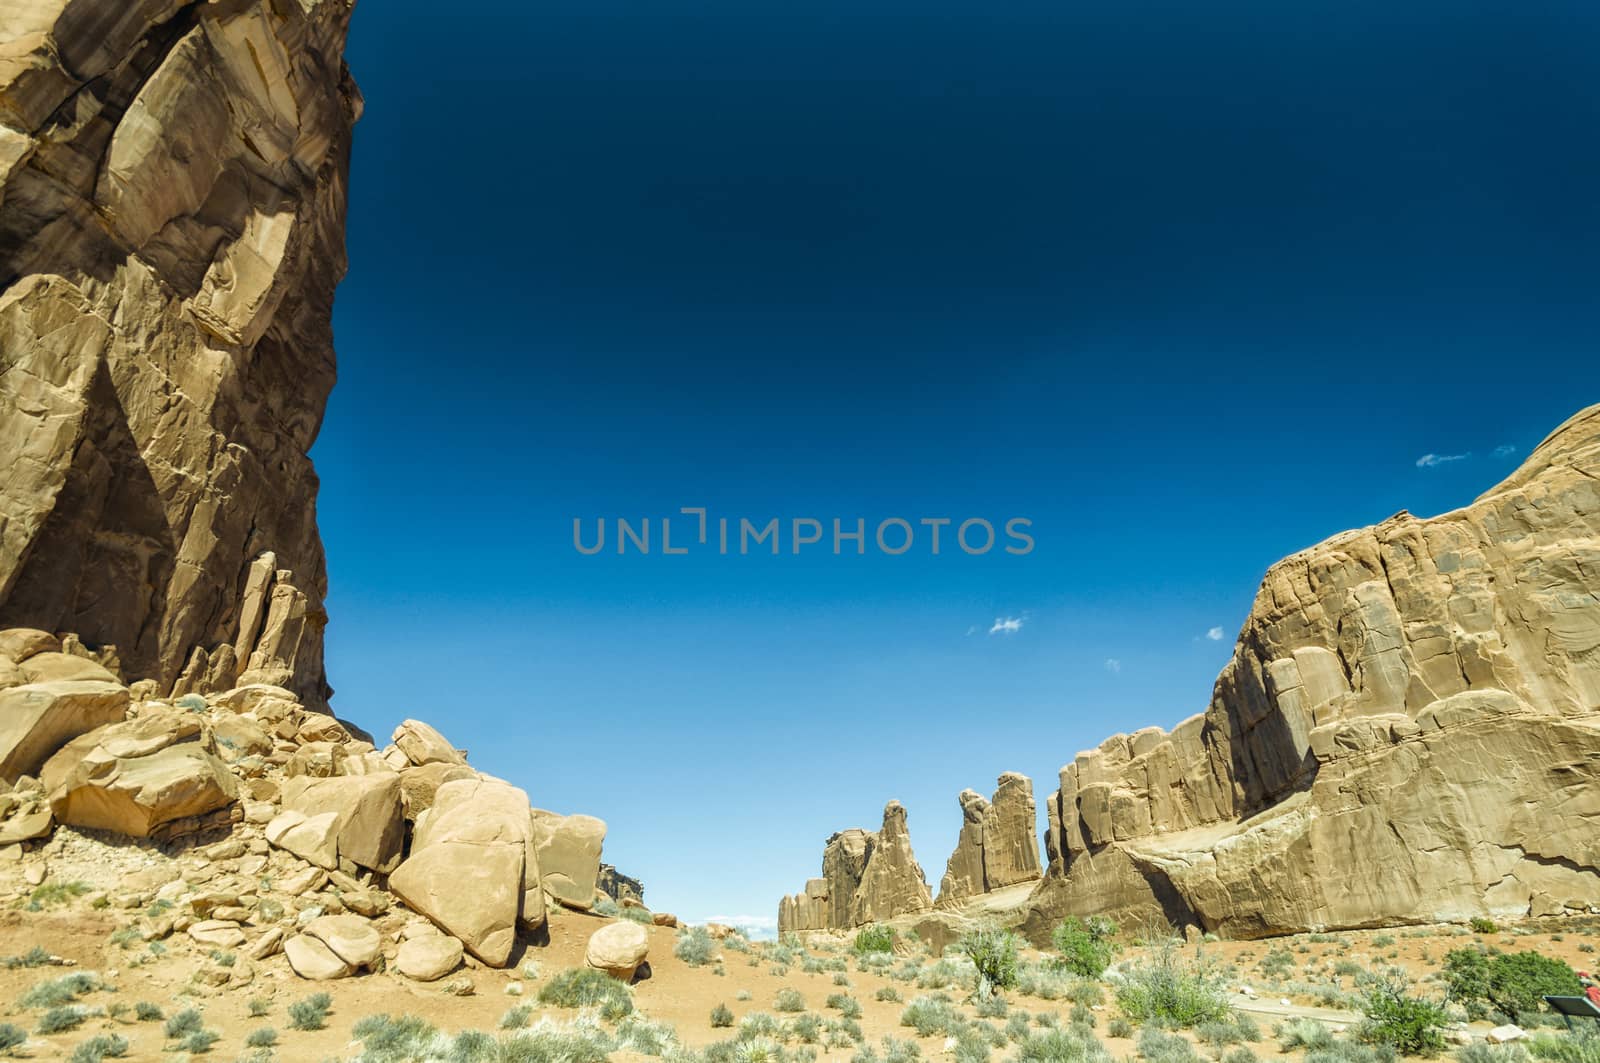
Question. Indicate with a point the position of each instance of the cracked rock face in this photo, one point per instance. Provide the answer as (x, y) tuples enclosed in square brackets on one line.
[(867, 877), (1406, 732), (998, 846), (172, 184)]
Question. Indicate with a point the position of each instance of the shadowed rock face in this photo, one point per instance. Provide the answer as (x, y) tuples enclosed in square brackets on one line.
[(1405, 733), (172, 184)]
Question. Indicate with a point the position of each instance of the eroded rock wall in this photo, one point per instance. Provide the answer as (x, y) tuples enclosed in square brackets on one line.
[(172, 188), (1406, 732)]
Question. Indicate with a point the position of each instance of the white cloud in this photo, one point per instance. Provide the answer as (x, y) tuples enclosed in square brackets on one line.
[(1214, 634), (1429, 461), (1009, 625), (1504, 450), (1113, 665)]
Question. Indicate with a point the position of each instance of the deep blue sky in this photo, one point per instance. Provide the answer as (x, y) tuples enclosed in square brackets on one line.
[(1189, 286)]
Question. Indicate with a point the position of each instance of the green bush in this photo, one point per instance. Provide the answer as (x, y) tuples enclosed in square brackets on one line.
[(516, 1018), (1514, 984), (695, 946), (265, 1037), (933, 1014), (1158, 1046), (57, 991), (1580, 1046), (100, 1047), (580, 987), (12, 1036), (145, 1011), (1410, 1024), (721, 1017), (1303, 1033), (844, 1004), (1083, 951), (310, 1013), (789, 1001), (1482, 925), (994, 953), (875, 938), (199, 1042), (61, 1019), (888, 994), (386, 1037), (1055, 1045), (1119, 1027), (184, 1022), (1164, 990)]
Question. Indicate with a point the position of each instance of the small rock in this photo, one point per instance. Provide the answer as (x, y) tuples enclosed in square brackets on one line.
[(1501, 1035), (428, 957), (217, 934)]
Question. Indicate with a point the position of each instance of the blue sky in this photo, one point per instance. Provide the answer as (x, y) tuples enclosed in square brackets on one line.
[(1188, 288)]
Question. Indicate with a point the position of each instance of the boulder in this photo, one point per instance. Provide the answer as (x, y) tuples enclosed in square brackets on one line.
[(64, 668), (350, 938), (314, 839), (473, 869), (569, 856), (36, 719), (618, 948), (428, 957), (20, 643), (217, 933), (310, 957), (370, 829), (26, 826), (137, 776), (423, 745), (418, 783)]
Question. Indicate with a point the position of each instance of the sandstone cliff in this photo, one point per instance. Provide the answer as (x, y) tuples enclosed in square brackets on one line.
[(172, 183), (867, 877), (998, 845), (1406, 731)]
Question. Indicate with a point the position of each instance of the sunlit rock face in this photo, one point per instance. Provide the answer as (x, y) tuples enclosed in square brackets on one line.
[(1407, 731), (172, 187)]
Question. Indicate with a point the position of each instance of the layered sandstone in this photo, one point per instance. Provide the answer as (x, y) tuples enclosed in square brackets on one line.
[(998, 845), (172, 184), (867, 877), (1406, 732)]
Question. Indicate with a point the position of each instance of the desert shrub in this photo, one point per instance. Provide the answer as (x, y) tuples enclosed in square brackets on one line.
[(639, 915), (721, 1017), (1514, 984), (1055, 1045), (50, 894), (199, 1042), (1080, 1015), (971, 1047), (145, 1011), (580, 987), (1481, 1052), (1046, 983), (875, 938), (12, 1036), (58, 991), (1119, 1027), (1277, 964), (933, 1014), (807, 1028), (695, 946), (1164, 990), (844, 1004), (264, 1037), (385, 1038), (994, 953), (992, 1007), (184, 1022), (34, 957), (1393, 1016), (1483, 925), (62, 1018), (1085, 948), (311, 1013), (1383, 941), (1220, 1033), (100, 1047), (1159, 1046), (1303, 1033), (607, 907), (1580, 1046), (639, 1034), (758, 1024), (789, 1001), (516, 1018), (888, 994)]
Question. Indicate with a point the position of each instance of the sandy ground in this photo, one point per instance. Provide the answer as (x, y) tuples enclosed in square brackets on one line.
[(674, 992)]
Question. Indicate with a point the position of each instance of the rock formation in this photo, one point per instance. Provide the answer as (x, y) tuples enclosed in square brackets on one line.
[(866, 877), (1406, 732), (998, 845), (617, 886), (172, 182)]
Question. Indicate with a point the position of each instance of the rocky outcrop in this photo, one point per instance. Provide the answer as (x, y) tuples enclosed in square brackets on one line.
[(1405, 733), (997, 846), (569, 856), (617, 886), (867, 877), (172, 181)]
